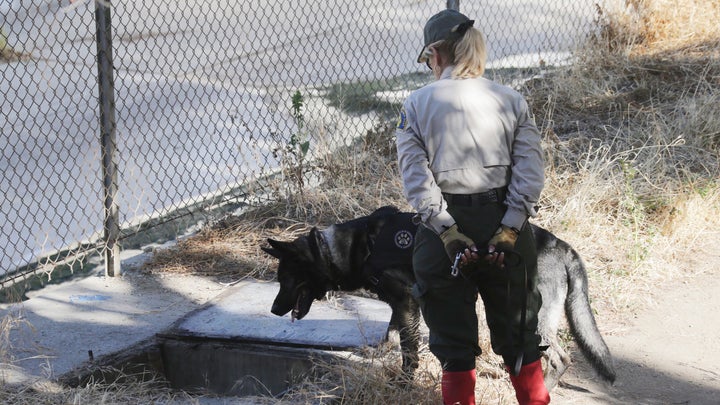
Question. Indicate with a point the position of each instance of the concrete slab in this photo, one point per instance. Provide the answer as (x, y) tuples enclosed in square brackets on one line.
[(56, 329), (203, 333), (242, 313), (235, 346)]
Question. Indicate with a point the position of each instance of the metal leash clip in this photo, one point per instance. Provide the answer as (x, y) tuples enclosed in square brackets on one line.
[(455, 269)]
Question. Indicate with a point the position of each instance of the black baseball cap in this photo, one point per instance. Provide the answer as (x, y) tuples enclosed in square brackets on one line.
[(442, 26)]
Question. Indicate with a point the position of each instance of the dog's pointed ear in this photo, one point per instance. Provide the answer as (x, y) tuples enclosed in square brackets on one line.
[(297, 248), (272, 252), (278, 248)]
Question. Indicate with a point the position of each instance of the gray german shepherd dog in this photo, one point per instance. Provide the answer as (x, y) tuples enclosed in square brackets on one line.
[(375, 253)]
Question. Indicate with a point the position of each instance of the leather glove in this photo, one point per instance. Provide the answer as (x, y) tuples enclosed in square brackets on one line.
[(455, 241), (504, 239)]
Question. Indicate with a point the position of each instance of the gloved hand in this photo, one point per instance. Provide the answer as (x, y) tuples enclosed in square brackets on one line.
[(455, 241), (504, 239)]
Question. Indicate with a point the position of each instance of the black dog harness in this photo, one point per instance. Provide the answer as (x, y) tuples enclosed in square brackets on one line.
[(391, 248)]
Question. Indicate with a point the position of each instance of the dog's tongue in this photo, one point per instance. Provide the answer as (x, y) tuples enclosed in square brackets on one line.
[(296, 311), (295, 314)]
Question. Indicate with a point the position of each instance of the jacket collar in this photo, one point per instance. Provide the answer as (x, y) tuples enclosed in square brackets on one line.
[(447, 72)]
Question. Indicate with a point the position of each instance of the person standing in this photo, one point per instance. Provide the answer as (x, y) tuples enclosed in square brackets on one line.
[(472, 168)]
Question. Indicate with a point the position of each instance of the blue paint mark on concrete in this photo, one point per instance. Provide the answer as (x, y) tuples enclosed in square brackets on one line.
[(89, 298)]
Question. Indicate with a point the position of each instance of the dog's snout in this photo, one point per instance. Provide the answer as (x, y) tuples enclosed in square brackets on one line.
[(277, 311), (280, 309)]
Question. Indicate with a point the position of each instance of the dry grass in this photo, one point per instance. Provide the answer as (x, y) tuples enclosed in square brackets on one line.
[(126, 391), (352, 182), (632, 140)]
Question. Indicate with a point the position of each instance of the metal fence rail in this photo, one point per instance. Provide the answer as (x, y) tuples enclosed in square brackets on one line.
[(202, 100)]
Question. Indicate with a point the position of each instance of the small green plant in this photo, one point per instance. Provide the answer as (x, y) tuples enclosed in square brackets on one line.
[(295, 152), (299, 142)]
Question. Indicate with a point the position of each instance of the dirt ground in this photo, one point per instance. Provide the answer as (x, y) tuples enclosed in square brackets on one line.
[(668, 352)]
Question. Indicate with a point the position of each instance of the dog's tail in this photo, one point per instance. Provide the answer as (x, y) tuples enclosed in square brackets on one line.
[(582, 322)]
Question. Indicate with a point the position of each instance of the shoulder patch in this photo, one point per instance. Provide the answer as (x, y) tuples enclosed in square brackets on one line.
[(402, 119)]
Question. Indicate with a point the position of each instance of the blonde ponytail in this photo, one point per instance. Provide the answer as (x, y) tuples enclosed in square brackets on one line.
[(470, 55)]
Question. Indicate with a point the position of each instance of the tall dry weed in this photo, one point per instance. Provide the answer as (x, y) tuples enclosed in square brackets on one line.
[(632, 143)]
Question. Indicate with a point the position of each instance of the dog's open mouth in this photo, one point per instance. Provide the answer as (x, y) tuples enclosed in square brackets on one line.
[(302, 305)]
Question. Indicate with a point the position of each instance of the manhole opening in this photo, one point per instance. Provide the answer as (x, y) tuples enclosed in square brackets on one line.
[(219, 367)]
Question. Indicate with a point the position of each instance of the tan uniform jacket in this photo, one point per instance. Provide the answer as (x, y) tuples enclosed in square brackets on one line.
[(465, 136)]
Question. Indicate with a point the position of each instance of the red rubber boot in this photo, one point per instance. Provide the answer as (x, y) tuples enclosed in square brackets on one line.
[(530, 385), (458, 387)]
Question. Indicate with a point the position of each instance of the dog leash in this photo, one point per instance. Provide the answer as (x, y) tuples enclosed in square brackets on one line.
[(455, 271), (523, 320), (455, 268)]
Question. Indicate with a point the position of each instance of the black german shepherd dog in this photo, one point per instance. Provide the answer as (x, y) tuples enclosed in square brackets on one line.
[(374, 252)]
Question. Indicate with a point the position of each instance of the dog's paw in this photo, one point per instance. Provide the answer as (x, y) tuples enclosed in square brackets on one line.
[(393, 337)]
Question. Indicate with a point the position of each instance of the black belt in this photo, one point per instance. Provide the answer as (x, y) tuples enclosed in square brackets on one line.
[(469, 200)]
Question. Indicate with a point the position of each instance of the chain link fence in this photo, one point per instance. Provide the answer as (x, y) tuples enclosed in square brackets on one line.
[(201, 96)]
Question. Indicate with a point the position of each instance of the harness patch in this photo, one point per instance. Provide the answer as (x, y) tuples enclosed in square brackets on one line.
[(393, 245), (403, 239)]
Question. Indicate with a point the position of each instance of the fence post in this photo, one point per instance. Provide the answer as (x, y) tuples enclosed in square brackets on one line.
[(453, 5), (108, 145)]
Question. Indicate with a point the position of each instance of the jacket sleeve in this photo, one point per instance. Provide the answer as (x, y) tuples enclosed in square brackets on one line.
[(419, 186), (528, 171)]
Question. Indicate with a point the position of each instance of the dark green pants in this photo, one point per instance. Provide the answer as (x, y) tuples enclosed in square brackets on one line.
[(448, 303)]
